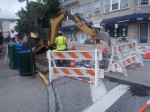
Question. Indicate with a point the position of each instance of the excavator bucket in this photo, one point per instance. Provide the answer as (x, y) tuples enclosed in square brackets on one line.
[(104, 36)]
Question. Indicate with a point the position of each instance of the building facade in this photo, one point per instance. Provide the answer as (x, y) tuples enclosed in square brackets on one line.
[(5, 25), (120, 18)]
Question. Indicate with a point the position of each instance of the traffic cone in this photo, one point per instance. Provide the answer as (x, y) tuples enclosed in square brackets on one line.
[(73, 47), (72, 64), (105, 50), (147, 55)]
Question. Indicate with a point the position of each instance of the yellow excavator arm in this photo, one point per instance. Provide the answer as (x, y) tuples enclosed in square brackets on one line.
[(80, 23), (55, 24), (93, 32)]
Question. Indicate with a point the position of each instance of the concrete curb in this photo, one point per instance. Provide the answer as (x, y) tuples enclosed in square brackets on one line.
[(52, 101)]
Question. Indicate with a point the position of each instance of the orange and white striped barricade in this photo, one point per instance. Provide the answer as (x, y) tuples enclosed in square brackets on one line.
[(124, 55), (145, 106), (95, 55), (144, 48)]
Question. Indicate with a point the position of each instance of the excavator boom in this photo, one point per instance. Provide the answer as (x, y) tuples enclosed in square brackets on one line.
[(80, 23)]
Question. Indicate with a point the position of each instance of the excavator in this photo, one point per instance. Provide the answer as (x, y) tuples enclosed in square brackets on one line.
[(48, 43)]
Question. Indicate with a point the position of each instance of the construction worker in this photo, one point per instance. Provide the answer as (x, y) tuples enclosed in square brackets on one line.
[(61, 45), (61, 42)]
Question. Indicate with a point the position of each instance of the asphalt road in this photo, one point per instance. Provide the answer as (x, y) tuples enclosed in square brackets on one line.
[(76, 96)]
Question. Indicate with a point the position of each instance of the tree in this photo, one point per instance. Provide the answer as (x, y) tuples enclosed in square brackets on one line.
[(51, 7), (39, 9)]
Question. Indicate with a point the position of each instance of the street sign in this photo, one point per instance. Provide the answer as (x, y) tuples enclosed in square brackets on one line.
[(116, 25)]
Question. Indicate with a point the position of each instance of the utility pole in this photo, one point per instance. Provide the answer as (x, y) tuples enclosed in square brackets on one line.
[(29, 37), (29, 34)]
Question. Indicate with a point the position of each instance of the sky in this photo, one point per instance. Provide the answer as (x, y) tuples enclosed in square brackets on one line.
[(8, 8)]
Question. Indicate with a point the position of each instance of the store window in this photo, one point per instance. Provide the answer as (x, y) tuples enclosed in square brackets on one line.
[(96, 7), (119, 32), (124, 31), (75, 36), (111, 5), (144, 2), (108, 30), (144, 34), (71, 38)]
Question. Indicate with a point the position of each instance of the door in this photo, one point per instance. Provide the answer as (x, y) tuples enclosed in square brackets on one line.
[(143, 32)]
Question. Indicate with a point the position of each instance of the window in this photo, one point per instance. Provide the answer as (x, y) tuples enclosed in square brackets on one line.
[(119, 32), (74, 11), (124, 31), (88, 9), (107, 5), (81, 10), (115, 4), (123, 4), (145, 2), (111, 5), (96, 7)]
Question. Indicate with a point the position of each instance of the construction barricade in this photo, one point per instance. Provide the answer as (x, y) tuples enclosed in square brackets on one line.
[(124, 55), (73, 71), (144, 48)]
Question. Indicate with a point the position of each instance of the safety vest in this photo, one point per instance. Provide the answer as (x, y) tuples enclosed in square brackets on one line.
[(61, 43)]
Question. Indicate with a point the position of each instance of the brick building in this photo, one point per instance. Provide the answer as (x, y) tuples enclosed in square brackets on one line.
[(131, 18)]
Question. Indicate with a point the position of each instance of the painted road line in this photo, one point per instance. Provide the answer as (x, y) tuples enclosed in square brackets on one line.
[(46, 81), (99, 91), (109, 99)]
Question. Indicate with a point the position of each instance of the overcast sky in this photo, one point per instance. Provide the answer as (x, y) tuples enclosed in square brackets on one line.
[(8, 8)]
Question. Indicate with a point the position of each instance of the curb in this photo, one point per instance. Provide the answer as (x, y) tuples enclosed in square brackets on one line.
[(52, 101)]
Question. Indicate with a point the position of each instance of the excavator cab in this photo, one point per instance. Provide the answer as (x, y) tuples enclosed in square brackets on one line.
[(43, 28), (42, 32)]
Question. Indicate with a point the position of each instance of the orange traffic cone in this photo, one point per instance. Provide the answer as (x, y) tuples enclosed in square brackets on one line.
[(72, 64), (73, 47), (105, 50), (147, 55)]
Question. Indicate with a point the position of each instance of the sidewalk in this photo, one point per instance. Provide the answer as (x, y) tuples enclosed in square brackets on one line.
[(137, 75), (21, 93)]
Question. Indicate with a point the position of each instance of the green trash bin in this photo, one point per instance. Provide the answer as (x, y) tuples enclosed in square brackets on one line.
[(12, 56), (24, 63)]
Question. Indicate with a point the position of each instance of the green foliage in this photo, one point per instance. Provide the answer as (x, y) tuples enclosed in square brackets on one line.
[(39, 9), (51, 8)]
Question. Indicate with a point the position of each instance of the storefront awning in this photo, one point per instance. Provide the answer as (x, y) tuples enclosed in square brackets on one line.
[(72, 27), (136, 17), (127, 18), (110, 21)]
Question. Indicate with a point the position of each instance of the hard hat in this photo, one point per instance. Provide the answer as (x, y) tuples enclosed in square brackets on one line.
[(60, 32)]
